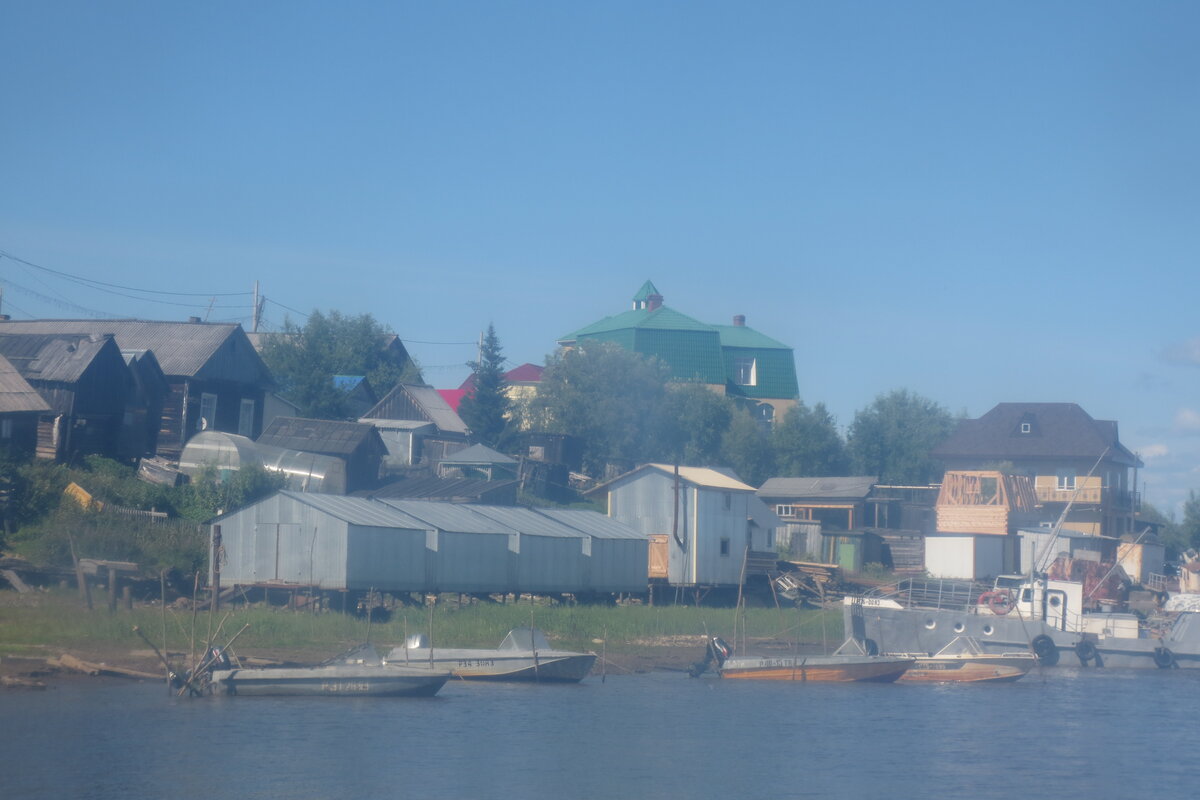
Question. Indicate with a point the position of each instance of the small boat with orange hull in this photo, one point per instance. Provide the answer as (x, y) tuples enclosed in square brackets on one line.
[(841, 667), (962, 660)]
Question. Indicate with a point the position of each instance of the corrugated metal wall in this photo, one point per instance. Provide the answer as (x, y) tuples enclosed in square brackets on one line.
[(352, 543)]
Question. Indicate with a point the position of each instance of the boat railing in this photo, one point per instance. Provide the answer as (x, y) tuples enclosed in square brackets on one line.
[(933, 593)]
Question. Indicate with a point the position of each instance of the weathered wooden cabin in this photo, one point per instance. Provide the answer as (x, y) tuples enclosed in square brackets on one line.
[(417, 424), (20, 408), (86, 383), (217, 380), (143, 410)]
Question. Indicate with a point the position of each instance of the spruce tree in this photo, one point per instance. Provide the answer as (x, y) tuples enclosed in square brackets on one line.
[(486, 406)]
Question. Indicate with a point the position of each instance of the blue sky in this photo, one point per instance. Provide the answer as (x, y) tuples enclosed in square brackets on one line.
[(979, 202)]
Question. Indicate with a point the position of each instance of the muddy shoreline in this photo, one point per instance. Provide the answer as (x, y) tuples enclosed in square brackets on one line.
[(30, 672)]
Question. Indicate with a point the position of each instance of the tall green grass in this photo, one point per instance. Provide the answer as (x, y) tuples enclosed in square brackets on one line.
[(57, 622)]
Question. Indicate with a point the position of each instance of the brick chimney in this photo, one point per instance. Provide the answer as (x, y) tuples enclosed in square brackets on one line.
[(654, 302), (739, 320)]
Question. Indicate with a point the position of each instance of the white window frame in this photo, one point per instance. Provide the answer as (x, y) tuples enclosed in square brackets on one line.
[(1026, 427), (208, 412), (785, 510), (1065, 480), (246, 418), (745, 371)]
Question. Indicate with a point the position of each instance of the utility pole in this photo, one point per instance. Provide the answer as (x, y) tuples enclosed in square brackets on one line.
[(257, 313)]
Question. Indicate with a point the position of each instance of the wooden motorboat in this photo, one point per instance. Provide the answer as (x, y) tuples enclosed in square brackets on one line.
[(358, 673), (845, 665), (524, 655), (962, 660)]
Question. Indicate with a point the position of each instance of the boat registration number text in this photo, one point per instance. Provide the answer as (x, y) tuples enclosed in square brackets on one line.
[(345, 687), (476, 662)]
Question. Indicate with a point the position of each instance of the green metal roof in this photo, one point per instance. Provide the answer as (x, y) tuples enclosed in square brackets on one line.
[(661, 318), (645, 292), (741, 336), (695, 351)]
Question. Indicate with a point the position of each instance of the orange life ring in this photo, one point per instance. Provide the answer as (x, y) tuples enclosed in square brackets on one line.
[(1000, 603)]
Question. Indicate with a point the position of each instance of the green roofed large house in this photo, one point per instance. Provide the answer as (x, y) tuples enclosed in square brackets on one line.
[(734, 359)]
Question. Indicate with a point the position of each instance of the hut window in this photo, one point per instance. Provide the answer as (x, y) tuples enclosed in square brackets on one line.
[(785, 511), (208, 412), (725, 546), (728, 500), (246, 419), (1026, 427), (6, 428)]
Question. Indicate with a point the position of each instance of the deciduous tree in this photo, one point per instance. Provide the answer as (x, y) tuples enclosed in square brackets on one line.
[(746, 448), (304, 359), (609, 397), (892, 438), (808, 444)]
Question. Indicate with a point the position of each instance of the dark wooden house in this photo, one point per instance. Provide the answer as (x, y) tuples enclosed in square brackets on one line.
[(216, 378), (143, 409), (356, 444), (86, 384), (20, 408), (409, 403)]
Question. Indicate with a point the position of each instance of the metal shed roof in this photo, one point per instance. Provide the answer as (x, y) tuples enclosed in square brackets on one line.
[(453, 517), (358, 510), (528, 521), (593, 523), (333, 437)]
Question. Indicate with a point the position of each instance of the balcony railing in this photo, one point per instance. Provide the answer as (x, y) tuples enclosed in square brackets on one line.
[(1091, 495)]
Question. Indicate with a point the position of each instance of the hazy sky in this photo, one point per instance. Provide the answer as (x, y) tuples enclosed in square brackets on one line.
[(980, 202)]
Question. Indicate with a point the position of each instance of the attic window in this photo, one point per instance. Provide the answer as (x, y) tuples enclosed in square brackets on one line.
[(1026, 427), (745, 372)]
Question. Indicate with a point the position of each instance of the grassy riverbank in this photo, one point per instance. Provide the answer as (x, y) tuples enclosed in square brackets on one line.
[(49, 623)]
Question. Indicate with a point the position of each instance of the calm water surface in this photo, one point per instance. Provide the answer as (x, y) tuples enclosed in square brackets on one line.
[(1060, 733)]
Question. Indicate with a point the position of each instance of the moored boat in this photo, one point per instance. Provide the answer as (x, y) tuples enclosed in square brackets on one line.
[(1052, 617), (847, 664), (963, 661), (524, 655), (359, 673)]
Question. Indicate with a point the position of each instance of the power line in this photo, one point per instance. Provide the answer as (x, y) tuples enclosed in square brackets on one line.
[(97, 284)]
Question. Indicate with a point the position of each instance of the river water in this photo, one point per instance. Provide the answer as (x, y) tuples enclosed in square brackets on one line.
[(1058, 733)]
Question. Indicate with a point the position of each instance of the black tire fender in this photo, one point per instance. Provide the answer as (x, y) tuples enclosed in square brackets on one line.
[(1045, 649), (1164, 658), (1086, 650)]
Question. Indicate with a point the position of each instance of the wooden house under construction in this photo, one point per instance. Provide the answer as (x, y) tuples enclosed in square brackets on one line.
[(978, 513)]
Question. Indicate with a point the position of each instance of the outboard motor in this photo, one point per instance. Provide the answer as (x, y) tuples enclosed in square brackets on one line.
[(716, 649)]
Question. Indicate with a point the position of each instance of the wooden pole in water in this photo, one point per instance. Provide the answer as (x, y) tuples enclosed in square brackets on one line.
[(162, 588), (604, 656), (195, 590)]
